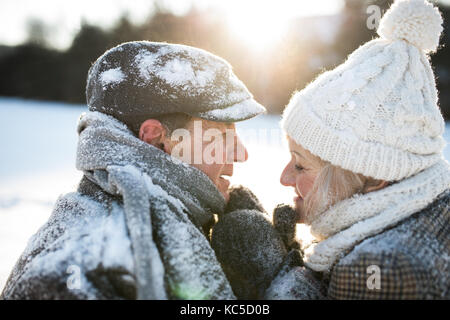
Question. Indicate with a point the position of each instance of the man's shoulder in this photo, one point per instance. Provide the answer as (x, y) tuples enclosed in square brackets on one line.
[(76, 205), (81, 225), (81, 237), (91, 190), (82, 206)]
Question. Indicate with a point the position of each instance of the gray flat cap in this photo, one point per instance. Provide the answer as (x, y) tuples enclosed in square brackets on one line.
[(147, 79)]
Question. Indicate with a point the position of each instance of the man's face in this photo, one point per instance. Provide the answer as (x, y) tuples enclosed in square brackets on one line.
[(211, 147)]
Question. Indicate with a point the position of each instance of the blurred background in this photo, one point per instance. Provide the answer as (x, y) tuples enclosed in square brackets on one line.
[(275, 47), (47, 47)]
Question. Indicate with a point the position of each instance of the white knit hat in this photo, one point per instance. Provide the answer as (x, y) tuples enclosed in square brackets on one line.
[(377, 113)]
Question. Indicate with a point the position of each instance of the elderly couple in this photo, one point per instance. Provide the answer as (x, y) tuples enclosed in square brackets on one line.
[(366, 164)]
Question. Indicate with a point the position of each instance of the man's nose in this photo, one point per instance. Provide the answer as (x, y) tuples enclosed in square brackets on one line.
[(240, 152), (237, 151)]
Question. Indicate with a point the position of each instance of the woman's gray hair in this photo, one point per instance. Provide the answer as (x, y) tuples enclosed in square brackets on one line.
[(333, 184)]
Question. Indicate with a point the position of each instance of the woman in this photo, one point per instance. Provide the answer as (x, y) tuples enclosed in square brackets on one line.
[(368, 170)]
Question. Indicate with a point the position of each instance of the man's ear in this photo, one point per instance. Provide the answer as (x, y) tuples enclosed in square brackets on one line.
[(153, 132)]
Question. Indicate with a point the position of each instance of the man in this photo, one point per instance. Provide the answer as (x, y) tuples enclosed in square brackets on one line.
[(138, 224)]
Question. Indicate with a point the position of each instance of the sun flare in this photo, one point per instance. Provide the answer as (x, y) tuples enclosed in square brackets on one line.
[(258, 27), (261, 24)]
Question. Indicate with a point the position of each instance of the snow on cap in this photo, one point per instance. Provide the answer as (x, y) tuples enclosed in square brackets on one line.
[(143, 79), (416, 21), (239, 111)]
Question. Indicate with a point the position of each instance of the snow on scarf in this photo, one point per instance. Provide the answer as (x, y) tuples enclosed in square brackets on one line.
[(162, 195)]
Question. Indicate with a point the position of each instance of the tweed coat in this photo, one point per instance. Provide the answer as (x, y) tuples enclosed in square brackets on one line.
[(410, 260)]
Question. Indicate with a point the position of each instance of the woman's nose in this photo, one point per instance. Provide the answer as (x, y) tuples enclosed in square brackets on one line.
[(287, 178)]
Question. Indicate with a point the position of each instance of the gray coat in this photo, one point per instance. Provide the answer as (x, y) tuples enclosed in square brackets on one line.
[(137, 227)]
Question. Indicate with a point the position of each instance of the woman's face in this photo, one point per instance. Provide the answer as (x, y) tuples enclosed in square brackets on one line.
[(300, 173)]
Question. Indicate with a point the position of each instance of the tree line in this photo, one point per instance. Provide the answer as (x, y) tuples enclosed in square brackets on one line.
[(35, 70)]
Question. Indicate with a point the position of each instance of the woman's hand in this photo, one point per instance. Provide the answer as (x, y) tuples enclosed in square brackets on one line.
[(285, 219)]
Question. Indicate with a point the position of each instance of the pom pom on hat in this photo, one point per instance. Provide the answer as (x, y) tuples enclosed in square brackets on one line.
[(416, 21)]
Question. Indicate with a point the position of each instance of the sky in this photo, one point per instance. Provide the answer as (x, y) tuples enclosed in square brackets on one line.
[(64, 17)]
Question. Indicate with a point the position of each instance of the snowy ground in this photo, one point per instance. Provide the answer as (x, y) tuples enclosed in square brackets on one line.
[(37, 164)]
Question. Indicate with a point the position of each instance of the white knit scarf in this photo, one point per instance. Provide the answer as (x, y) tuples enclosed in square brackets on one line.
[(352, 220)]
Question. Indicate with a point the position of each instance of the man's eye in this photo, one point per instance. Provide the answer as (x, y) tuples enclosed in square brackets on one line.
[(298, 168)]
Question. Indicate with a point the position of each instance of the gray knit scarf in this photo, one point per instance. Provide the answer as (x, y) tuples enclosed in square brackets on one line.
[(163, 199)]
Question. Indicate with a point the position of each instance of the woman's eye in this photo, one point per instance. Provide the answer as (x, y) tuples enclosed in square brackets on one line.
[(298, 168)]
